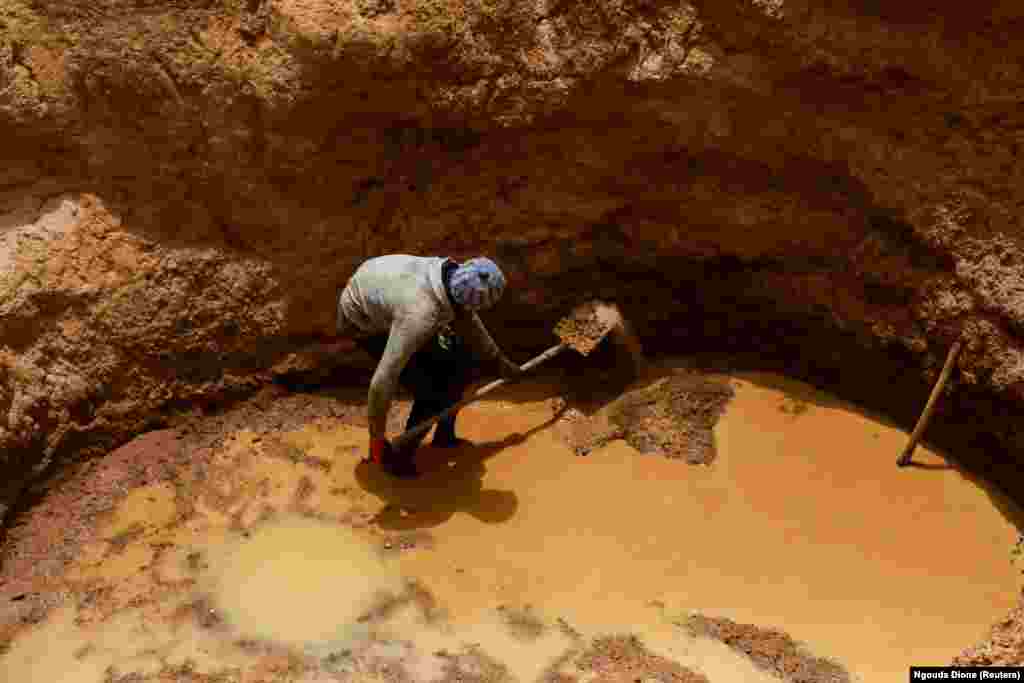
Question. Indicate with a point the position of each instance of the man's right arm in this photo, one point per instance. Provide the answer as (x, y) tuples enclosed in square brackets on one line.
[(405, 338)]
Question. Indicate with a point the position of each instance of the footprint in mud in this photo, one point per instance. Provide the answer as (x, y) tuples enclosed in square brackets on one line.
[(451, 481)]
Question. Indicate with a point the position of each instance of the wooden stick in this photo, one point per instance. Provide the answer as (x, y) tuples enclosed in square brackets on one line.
[(929, 408)]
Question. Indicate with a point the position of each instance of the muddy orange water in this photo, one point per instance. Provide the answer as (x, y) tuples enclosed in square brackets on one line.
[(803, 523)]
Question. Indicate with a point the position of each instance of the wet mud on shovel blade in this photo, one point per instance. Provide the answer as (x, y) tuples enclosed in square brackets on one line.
[(588, 324)]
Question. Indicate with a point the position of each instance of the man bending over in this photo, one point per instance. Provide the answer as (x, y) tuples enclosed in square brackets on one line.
[(417, 316)]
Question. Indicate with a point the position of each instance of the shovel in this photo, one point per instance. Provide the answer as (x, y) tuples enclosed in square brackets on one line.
[(582, 331)]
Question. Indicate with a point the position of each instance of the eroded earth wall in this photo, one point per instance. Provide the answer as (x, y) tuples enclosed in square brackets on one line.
[(185, 185)]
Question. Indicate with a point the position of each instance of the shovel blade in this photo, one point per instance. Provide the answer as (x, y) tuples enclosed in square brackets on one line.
[(588, 325)]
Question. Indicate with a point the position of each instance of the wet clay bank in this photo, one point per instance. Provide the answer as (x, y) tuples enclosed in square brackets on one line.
[(185, 186), (254, 546)]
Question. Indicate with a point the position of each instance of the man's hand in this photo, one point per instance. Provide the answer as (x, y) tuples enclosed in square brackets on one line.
[(379, 449), (509, 371)]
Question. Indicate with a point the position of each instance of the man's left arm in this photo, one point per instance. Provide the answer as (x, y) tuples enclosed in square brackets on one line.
[(471, 328)]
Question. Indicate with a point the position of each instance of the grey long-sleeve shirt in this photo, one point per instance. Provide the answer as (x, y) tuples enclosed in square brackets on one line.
[(403, 296)]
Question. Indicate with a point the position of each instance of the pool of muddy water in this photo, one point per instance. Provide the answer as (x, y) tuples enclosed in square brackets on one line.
[(284, 558)]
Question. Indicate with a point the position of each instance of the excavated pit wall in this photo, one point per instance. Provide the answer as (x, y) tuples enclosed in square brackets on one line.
[(185, 186)]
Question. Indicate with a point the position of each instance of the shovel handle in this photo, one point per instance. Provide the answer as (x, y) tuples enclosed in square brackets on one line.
[(422, 427)]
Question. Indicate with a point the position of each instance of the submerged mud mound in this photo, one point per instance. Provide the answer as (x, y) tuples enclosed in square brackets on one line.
[(772, 650), (674, 417), (623, 658)]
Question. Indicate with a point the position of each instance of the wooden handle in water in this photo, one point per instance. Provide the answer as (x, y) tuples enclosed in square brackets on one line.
[(922, 422), (422, 427)]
